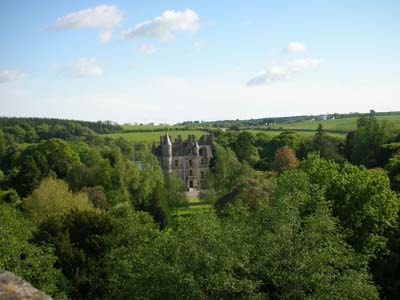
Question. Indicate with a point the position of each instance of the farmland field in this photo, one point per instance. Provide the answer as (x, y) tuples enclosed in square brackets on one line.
[(302, 133), (344, 125), (149, 137)]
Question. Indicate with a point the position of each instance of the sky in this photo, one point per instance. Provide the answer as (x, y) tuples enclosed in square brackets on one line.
[(172, 61)]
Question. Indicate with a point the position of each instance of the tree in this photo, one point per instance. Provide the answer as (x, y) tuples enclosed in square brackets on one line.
[(200, 259), (245, 148), (78, 239), (253, 193), (27, 177), (285, 159), (298, 251), (52, 198), (393, 166), (175, 190), (225, 174), (326, 146), (364, 145), (2, 145), (96, 196), (59, 155), (33, 263), (362, 200)]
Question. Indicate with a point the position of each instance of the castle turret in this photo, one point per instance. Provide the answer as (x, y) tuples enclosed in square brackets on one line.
[(166, 154)]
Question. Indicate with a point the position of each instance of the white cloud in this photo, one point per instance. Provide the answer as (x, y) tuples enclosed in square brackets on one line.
[(295, 47), (146, 49), (283, 72), (164, 27), (105, 17), (83, 67), (9, 75)]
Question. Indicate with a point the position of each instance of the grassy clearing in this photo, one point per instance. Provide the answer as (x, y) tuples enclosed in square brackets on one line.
[(195, 206), (149, 137)]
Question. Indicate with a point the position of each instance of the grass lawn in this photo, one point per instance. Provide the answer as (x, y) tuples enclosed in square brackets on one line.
[(195, 206), (149, 137)]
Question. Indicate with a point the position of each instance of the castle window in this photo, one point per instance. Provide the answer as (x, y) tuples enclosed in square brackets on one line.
[(176, 163), (202, 175), (190, 173), (190, 162)]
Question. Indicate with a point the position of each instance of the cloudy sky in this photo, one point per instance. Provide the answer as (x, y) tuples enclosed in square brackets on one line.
[(170, 61)]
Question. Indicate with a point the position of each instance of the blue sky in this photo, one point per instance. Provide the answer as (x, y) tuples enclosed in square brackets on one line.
[(169, 61)]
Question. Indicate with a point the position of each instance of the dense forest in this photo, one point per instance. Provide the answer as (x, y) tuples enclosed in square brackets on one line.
[(294, 217)]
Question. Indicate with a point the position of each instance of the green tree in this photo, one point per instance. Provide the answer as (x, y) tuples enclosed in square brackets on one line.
[(226, 172), (59, 155), (326, 146), (175, 190), (364, 145), (253, 193), (362, 200), (245, 148), (298, 251), (78, 239), (2, 145), (52, 198), (18, 255), (197, 260), (27, 177), (393, 166)]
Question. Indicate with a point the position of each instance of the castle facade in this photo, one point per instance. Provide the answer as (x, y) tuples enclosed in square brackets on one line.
[(189, 159)]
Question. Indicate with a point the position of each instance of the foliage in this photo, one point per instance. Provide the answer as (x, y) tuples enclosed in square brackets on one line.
[(18, 255), (364, 145), (78, 242), (225, 174), (245, 148), (52, 198), (326, 146), (285, 159), (253, 193), (362, 200), (197, 260), (175, 189)]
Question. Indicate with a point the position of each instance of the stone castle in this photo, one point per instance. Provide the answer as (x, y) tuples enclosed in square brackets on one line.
[(189, 159)]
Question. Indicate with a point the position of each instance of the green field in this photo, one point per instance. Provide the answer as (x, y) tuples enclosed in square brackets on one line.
[(149, 137), (302, 133), (344, 125), (145, 127)]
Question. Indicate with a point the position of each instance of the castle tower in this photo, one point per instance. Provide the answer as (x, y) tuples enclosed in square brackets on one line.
[(166, 154)]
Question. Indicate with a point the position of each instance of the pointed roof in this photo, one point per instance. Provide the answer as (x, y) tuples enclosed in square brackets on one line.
[(166, 140)]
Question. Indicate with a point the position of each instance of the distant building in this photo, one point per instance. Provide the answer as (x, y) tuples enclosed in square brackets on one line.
[(189, 159)]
